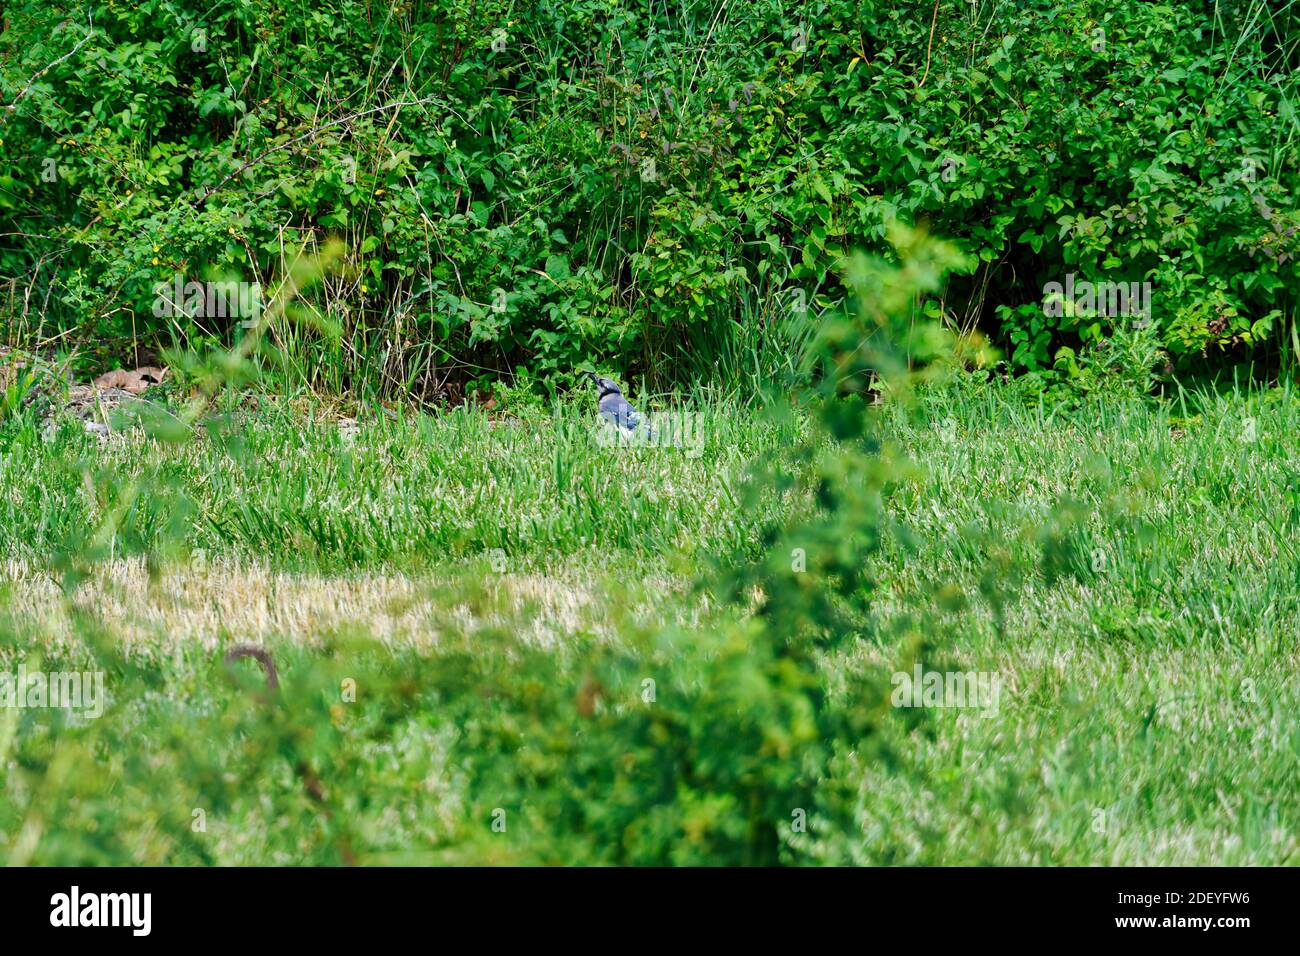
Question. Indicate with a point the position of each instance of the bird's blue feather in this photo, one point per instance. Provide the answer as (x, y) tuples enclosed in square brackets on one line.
[(619, 411)]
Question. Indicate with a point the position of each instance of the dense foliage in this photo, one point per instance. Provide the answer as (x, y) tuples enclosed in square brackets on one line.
[(663, 189)]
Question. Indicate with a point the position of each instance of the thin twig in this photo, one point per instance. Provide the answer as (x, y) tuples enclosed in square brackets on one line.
[(32, 82), (933, 20), (307, 135)]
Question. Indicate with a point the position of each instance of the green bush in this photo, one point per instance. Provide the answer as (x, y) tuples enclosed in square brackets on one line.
[(559, 182)]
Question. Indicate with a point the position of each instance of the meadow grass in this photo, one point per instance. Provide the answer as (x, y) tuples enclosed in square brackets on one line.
[(423, 492), (1126, 570)]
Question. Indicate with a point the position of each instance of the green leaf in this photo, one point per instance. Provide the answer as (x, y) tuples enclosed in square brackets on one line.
[(557, 267)]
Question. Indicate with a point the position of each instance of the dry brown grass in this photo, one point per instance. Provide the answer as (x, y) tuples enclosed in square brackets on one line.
[(226, 601)]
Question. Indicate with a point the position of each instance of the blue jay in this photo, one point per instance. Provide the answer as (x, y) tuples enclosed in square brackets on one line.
[(616, 409)]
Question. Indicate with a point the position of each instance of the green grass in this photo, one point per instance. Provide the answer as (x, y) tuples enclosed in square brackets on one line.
[(1148, 692), (1129, 572), (417, 493)]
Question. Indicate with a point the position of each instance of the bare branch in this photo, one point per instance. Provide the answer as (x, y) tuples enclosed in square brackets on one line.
[(314, 131), (32, 82)]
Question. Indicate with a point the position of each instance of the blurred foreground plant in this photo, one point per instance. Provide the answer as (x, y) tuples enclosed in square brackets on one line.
[(716, 746)]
